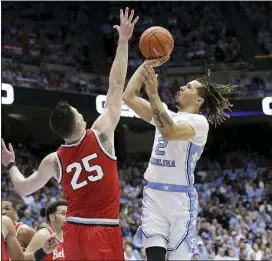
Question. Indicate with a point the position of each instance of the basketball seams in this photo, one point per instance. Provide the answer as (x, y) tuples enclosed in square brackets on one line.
[(142, 41), (168, 39), (159, 43), (149, 45), (145, 36)]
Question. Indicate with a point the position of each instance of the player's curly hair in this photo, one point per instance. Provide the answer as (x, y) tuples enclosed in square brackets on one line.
[(214, 101)]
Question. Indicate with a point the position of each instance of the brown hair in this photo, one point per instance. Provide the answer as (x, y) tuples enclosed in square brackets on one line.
[(214, 101)]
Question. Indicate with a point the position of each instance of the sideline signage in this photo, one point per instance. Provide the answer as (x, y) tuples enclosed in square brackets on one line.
[(8, 97)]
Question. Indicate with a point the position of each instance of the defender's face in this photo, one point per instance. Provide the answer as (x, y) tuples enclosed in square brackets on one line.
[(188, 95), (60, 216), (79, 118), (8, 210)]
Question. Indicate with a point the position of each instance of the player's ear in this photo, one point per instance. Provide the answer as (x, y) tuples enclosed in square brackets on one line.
[(200, 101), (51, 217)]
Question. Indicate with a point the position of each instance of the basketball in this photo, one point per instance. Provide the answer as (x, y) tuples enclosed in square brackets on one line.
[(156, 42)]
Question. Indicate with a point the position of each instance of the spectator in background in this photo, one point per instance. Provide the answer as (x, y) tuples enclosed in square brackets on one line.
[(129, 252)]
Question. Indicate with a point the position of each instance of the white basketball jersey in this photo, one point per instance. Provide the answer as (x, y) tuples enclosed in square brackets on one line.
[(173, 162)]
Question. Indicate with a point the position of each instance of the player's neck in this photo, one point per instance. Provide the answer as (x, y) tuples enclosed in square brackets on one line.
[(58, 231), (188, 110), (75, 138)]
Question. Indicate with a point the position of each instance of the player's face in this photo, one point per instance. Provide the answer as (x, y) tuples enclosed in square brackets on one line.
[(188, 96), (60, 216), (8, 210), (79, 118)]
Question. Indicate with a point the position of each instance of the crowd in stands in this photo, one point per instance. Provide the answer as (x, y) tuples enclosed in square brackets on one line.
[(40, 31), (38, 34), (259, 14), (248, 85), (235, 212), (197, 36)]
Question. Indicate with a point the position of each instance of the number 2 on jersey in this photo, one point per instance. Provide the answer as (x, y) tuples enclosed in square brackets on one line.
[(78, 169), (162, 144)]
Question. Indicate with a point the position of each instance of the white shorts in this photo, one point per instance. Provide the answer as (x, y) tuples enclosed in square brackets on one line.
[(169, 221)]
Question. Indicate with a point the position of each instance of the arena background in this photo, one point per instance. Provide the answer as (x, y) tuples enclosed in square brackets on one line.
[(63, 51)]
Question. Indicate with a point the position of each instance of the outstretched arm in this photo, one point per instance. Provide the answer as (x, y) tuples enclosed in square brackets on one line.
[(26, 186), (131, 95), (108, 120)]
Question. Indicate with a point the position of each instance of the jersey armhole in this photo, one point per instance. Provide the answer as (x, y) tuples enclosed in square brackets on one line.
[(60, 168), (101, 146), (3, 234)]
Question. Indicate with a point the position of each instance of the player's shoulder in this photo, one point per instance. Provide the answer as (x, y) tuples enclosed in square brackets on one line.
[(42, 233), (7, 226), (6, 221), (50, 158), (26, 229)]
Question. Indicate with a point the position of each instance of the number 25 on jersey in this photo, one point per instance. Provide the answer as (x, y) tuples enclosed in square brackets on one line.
[(87, 167)]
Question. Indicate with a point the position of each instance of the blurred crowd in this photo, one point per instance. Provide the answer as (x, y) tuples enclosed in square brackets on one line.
[(56, 33), (44, 32), (248, 84), (38, 38), (259, 14), (196, 35), (235, 212)]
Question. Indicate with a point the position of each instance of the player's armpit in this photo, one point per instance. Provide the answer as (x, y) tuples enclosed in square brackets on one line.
[(180, 131), (37, 241), (107, 143), (25, 235)]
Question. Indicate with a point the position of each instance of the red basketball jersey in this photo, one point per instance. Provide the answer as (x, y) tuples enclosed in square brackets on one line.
[(89, 179), (57, 254), (18, 226), (4, 255)]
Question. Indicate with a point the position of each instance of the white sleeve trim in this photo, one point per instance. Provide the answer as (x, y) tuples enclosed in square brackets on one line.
[(60, 168)]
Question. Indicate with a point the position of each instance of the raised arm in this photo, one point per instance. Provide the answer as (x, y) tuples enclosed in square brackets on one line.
[(197, 126), (108, 120), (26, 186), (131, 95), (14, 249)]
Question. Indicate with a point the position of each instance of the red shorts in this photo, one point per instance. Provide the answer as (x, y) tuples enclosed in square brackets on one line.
[(85, 242)]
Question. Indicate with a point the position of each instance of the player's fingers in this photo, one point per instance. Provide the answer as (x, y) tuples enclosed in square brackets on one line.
[(135, 20), (126, 13), (3, 145), (11, 148), (131, 16), (121, 14), (165, 59), (152, 72)]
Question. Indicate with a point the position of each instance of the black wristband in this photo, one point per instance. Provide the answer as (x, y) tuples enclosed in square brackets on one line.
[(39, 254), (10, 165)]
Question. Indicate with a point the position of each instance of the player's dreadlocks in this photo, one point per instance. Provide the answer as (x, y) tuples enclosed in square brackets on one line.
[(214, 102)]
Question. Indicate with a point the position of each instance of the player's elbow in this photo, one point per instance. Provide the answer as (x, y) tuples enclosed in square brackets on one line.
[(168, 135), (21, 190), (175, 134), (126, 98)]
